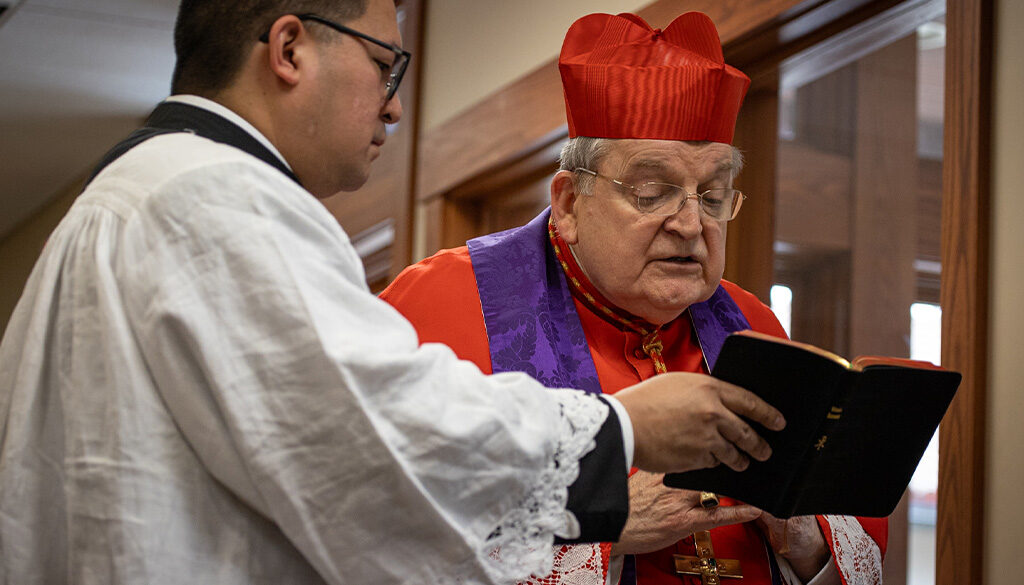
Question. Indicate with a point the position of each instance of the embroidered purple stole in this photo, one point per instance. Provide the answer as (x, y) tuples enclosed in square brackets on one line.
[(531, 322)]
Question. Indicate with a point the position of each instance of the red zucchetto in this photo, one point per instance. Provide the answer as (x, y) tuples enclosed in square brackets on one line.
[(623, 79)]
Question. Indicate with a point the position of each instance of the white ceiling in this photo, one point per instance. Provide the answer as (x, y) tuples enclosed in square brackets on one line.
[(76, 76)]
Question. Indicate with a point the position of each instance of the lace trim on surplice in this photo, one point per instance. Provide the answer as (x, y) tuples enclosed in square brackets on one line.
[(577, 564), (521, 545), (856, 554)]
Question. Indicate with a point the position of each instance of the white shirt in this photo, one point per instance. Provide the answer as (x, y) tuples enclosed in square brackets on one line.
[(212, 106), (197, 386)]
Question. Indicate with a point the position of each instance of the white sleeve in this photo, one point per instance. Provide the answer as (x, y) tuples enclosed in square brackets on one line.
[(856, 557), (310, 399), (828, 575)]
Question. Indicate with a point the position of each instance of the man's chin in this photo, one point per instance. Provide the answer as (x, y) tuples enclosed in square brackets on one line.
[(665, 311), (669, 308), (348, 183), (350, 180), (706, 294)]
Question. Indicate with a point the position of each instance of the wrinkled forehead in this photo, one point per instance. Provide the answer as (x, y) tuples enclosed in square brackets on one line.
[(672, 159)]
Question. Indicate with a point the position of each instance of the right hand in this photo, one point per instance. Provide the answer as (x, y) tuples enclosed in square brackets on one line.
[(660, 516), (684, 421)]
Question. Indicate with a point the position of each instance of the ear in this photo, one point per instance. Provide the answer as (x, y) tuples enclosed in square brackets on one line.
[(285, 43), (563, 205)]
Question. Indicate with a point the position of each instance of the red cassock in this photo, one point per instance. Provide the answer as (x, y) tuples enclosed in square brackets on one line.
[(439, 296)]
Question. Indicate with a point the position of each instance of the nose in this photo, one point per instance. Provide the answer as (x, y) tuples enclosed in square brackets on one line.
[(391, 113), (686, 222)]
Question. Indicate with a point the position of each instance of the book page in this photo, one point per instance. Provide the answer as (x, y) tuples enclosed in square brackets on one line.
[(804, 346), (866, 361)]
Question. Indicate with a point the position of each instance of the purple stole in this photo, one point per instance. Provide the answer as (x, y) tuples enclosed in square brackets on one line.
[(531, 322), (532, 325)]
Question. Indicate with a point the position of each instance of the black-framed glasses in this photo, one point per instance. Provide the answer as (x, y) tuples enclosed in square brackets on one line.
[(666, 199), (395, 70)]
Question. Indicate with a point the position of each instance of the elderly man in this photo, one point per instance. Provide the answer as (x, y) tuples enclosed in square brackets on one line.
[(197, 385), (621, 280)]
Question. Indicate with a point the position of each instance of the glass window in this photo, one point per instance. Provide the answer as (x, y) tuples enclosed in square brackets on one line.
[(858, 216)]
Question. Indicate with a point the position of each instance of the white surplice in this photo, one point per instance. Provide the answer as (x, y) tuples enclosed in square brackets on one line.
[(197, 387)]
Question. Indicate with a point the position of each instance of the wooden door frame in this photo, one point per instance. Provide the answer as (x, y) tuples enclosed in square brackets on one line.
[(516, 131), (964, 289)]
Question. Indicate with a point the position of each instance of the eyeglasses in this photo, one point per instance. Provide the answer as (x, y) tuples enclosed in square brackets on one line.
[(394, 70), (667, 199)]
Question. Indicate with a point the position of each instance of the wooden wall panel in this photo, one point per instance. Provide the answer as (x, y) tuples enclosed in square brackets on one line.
[(749, 258), (820, 281), (884, 243), (965, 276), (814, 184)]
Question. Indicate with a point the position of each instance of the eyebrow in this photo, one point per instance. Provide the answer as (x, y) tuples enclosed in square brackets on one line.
[(650, 164), (663, 166)]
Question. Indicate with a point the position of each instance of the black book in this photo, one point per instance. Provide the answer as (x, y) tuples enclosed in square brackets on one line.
[(854, 434)]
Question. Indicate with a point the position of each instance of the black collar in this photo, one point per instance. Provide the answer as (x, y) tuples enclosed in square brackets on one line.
[(171, 117)]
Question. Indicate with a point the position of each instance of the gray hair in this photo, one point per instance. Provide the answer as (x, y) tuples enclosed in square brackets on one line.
[(585, 152)]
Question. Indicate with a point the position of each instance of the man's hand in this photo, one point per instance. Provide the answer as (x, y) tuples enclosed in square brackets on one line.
[(660, 516), (799, 540), (687, 421)]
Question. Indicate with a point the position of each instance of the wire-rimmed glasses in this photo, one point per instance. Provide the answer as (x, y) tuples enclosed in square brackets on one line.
[(666, 199)]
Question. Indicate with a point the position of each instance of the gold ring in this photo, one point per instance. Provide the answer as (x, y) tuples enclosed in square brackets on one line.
[(708, 500)]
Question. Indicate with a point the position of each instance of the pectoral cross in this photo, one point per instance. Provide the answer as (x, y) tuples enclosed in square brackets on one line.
[(705, 565)]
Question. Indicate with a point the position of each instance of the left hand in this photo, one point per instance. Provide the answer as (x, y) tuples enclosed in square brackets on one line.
[(660, 516), (799, 540)]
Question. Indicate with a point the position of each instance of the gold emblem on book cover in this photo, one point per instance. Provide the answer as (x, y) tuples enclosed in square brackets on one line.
[(821, 443)]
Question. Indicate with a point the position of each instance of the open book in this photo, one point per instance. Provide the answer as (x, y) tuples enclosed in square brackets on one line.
[(854, 434)]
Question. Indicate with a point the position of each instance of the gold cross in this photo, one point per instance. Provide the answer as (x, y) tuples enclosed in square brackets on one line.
[(821, 443), (710, 569)]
